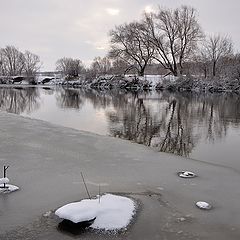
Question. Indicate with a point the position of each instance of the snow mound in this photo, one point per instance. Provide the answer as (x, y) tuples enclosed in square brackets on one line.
[(8, 189), (112, 212), (203, 205), (4, 180), (186, 174)]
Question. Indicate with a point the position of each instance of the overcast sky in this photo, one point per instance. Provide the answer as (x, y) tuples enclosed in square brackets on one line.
[(79, 28)]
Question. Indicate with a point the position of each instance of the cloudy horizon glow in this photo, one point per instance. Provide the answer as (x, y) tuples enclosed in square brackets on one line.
[(76, 28)]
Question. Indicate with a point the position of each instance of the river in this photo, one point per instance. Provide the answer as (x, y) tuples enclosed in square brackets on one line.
[(201, 126)]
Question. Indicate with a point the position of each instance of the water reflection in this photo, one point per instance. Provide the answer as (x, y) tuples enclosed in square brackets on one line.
[(173, 122), (69, 98), (169, 122), (18, 99), (159, 122)]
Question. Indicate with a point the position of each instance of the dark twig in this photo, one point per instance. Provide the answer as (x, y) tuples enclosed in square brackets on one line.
[(4, 174), (85, 186), (99, 193)]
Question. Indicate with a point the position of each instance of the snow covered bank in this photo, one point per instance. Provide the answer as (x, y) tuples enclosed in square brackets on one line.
[(112, 212), (200, 85)]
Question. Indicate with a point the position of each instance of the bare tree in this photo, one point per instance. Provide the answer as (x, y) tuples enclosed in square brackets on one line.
[(12, 61), (119, 66), (2, 69), (216, 48), (201, 62), (31, 63), (100, 66), (235, 67), (129, 43), (70, 67), (174, 34)]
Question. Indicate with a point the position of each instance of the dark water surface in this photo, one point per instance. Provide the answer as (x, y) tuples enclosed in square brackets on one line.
[(205, 127)]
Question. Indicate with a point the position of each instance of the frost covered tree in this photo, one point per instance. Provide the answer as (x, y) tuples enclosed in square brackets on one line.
[(217, 47), (174, 34), (129, 43), (70, 67)]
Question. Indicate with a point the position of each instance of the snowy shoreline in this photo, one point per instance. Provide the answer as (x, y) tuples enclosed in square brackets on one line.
[(146, 83)]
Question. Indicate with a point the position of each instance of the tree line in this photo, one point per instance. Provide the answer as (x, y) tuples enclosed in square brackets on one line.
[(167, 41)]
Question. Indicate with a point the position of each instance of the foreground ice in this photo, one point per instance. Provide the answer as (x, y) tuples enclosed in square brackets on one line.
[(112, 212)]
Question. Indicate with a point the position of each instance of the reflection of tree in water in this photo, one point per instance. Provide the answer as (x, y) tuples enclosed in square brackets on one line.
[(223, 110), (99, 99), (178, 120), (48, 90), (132, 120), (69, 98), (170, 122), (75, 98), (175, 136), (18, 100), (162, 128)]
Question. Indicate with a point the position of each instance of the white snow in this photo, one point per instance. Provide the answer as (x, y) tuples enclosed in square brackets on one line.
[(187, 174), (4, 180), (203, 205), (155, 79), (47, 214), (9, 188), (112, 212)]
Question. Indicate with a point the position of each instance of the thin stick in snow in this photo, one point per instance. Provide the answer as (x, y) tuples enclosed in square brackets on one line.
[(99, 193), (5, 174), (85, 186)]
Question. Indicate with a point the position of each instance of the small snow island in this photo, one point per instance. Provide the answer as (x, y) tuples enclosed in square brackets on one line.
[(107, 212), (5, 187)]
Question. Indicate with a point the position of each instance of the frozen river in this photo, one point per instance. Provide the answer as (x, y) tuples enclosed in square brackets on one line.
[(46, 160), (205, 127)]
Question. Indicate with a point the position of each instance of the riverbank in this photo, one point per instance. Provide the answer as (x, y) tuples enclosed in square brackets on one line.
[(146, 83), (46, 160)]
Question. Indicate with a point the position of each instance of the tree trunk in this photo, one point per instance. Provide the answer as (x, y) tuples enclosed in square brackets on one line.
[(214, 69), (175, 73), (205, 72), (141, 72), (181, 71)]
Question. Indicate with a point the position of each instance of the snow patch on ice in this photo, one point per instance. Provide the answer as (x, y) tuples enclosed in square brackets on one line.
[(8, 189), (203, 205), (112, 212), (186, 174), (4, 180)]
